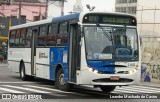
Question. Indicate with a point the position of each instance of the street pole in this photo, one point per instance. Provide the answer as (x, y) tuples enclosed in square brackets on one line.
[(20, 4), (46, 9), (127, 6), (62, 8)]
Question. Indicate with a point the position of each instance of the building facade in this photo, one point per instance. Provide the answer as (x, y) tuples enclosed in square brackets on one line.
[(126, 6), (147, 13), (31, 10)]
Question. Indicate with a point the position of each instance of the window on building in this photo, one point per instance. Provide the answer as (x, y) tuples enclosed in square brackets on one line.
[(36, 18), (62, 35), (23, 17)]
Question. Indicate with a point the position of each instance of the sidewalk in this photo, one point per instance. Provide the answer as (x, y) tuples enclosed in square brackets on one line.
[(3, 64), (152, 84)]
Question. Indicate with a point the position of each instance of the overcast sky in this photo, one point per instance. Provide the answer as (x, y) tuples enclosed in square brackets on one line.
[(101, 5)]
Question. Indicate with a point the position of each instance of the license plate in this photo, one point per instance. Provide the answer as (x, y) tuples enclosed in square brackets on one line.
[(114, 78)]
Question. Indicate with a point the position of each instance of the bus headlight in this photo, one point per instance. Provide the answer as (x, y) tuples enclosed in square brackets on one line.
[(95, 71), (133, 70), (90, 69), (130, 72)]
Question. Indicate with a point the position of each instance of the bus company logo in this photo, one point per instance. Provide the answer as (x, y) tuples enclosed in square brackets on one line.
[(6, 96), (42, 55)]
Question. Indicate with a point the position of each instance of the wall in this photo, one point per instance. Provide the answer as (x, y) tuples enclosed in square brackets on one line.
[(150, 59), (28, 9)]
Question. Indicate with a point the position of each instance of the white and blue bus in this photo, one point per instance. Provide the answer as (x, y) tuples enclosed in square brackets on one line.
[(90, 48)]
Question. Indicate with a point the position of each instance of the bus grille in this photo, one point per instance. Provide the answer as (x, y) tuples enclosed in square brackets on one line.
[(108, 80)]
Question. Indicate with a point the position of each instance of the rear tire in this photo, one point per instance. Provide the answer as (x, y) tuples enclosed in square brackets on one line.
[(23, 75), (107, 89), (60, 81)]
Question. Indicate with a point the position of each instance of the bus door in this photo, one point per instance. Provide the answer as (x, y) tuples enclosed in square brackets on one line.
[(33, 51), (74, 52)]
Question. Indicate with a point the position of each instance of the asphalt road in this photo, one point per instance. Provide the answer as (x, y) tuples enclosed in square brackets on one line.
[(40, 90)]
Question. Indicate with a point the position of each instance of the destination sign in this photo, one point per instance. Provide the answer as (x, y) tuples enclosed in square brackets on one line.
[(110, 19), (116, 20)]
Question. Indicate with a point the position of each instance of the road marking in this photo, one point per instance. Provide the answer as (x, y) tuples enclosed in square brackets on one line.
[(28, 89), (141, 89), (121, 91), (144, 87), (10, 90), (50, 89), (136, 89), (1, 82)]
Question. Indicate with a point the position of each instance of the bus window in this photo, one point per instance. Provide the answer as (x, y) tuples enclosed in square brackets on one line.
[(22, 38), (52, 31), (12, 38), (62, 36), (42, 36), (17, 38), (28, 37)]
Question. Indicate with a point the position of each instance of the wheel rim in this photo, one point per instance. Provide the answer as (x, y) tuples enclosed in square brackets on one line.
[(61, 79)]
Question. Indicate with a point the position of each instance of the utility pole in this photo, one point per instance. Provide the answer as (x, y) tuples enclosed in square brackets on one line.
[(20, 4), (62, 8), (46, 12), (127, 6)]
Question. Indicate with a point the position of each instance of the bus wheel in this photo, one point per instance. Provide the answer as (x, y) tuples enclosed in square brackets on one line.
[(60, 81), (107, 89), (23, 75)]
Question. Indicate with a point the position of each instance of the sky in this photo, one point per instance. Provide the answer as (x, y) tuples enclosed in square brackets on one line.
[(101, 5)]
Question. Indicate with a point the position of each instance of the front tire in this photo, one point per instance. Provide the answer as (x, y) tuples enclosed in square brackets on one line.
[(107, 89), (60, 81)]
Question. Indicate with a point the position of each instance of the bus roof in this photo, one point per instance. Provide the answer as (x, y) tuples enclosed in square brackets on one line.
[(66, 17), (78, 16), (31, 24)]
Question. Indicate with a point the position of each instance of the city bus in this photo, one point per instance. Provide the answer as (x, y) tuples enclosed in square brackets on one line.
[(101, 49)]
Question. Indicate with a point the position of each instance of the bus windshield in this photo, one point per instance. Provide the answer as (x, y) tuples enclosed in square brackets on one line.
[(111, 43)]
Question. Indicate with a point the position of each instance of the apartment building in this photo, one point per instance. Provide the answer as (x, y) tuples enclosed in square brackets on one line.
[(126, 6), (31, 10)]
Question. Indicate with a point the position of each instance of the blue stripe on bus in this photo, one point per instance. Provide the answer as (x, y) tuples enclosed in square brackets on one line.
[(102, 66), (58, 56), (66, 17)]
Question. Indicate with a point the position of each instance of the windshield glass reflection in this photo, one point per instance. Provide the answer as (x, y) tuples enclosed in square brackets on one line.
[(111, 43)]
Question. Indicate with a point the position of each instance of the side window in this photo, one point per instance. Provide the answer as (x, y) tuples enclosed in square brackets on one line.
[(62, 37), (52, 31), (28, 37), (42, 36), (17, 38), (12, 38), (22, 38)]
